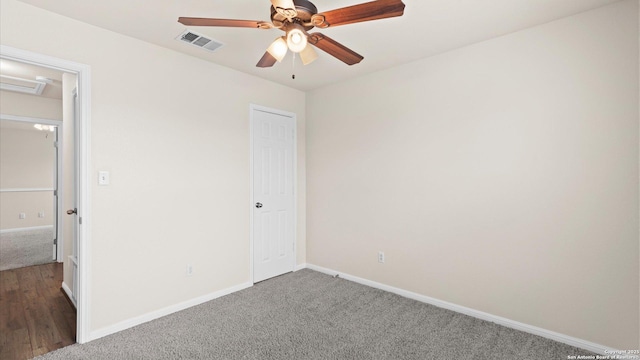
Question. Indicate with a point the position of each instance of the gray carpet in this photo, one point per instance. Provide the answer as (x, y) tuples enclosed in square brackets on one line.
[(309, 315), (26, 248)]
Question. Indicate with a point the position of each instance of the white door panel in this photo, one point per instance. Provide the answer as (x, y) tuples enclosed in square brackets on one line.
[(273, 194), (56, 160)]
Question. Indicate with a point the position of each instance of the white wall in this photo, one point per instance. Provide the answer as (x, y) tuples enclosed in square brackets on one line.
[(501, 176), (26, 162), (174, 133), (12, 103)]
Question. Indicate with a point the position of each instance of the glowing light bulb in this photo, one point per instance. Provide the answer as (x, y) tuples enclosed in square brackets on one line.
[(44, 127), (296, 38)]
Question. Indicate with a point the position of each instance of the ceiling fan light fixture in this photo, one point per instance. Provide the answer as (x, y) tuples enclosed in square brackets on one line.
[(278, 48), (44, 127), (296, 17), (296, 38), (308, 55)]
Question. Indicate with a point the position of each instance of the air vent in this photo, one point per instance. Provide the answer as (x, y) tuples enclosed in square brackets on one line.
[(199, 40), (21, 85)]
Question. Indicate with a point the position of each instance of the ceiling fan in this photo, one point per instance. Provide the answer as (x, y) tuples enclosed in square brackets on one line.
[(297, 17)]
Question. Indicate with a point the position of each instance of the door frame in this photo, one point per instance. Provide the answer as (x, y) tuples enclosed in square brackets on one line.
[(58, 171), (83, 73), (252, 108)]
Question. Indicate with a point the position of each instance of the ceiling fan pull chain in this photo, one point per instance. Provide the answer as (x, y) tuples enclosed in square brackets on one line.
[(293, 66)]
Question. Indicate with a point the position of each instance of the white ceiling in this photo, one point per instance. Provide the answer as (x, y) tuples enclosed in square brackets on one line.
[(428, 27)]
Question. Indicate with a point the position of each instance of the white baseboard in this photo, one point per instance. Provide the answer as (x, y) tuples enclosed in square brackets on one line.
[(569, 340), (69, 293), (123, 325), (300, 267), (4, 231)]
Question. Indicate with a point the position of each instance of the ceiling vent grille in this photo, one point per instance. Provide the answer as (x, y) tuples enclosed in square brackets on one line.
[(33, 87), (199, 40)]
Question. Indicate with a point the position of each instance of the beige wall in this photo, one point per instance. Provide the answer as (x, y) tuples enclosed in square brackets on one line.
[(174, 133), (12, 103), (26, 161), (27, 158), (29, 203), (502, 176)]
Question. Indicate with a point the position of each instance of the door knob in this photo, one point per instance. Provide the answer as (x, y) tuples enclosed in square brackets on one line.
[(73, 211), (258, 205)]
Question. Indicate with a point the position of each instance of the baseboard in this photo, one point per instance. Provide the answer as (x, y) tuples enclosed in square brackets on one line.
[(569, 340), (123, 325), (69, 295), (300, 267), (4, 231)]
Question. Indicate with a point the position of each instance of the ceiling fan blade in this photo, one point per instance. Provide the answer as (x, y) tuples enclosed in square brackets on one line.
[(191, 21), (373, 10), (335, 49), (266, 61)]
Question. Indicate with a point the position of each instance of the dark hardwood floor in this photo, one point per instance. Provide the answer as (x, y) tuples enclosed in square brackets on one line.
[(35, 315)]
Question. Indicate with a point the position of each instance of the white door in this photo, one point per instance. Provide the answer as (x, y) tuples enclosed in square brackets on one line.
[(273, 193), (74, 211), (56, 160)]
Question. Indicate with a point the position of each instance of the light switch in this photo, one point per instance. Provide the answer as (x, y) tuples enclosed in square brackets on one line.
[(103, 178)]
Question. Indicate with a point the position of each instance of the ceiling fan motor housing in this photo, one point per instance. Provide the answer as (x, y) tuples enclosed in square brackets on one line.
[(302, 15)]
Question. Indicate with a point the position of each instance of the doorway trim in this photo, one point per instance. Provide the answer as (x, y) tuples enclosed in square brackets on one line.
[(252, 108), (83, 73), (58, 172)]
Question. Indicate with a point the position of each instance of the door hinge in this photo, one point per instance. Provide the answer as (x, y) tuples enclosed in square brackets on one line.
[(55, 144), (55, 241), (55, 192), (80, 220)]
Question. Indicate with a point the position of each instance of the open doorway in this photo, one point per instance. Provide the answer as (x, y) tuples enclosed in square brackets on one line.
[(34, 107), (73, 239), (30, 122), (29, 202)]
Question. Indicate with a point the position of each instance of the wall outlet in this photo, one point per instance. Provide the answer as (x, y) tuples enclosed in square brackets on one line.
[(189, 269), (22, 216), (381, 257), (41, 214)]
